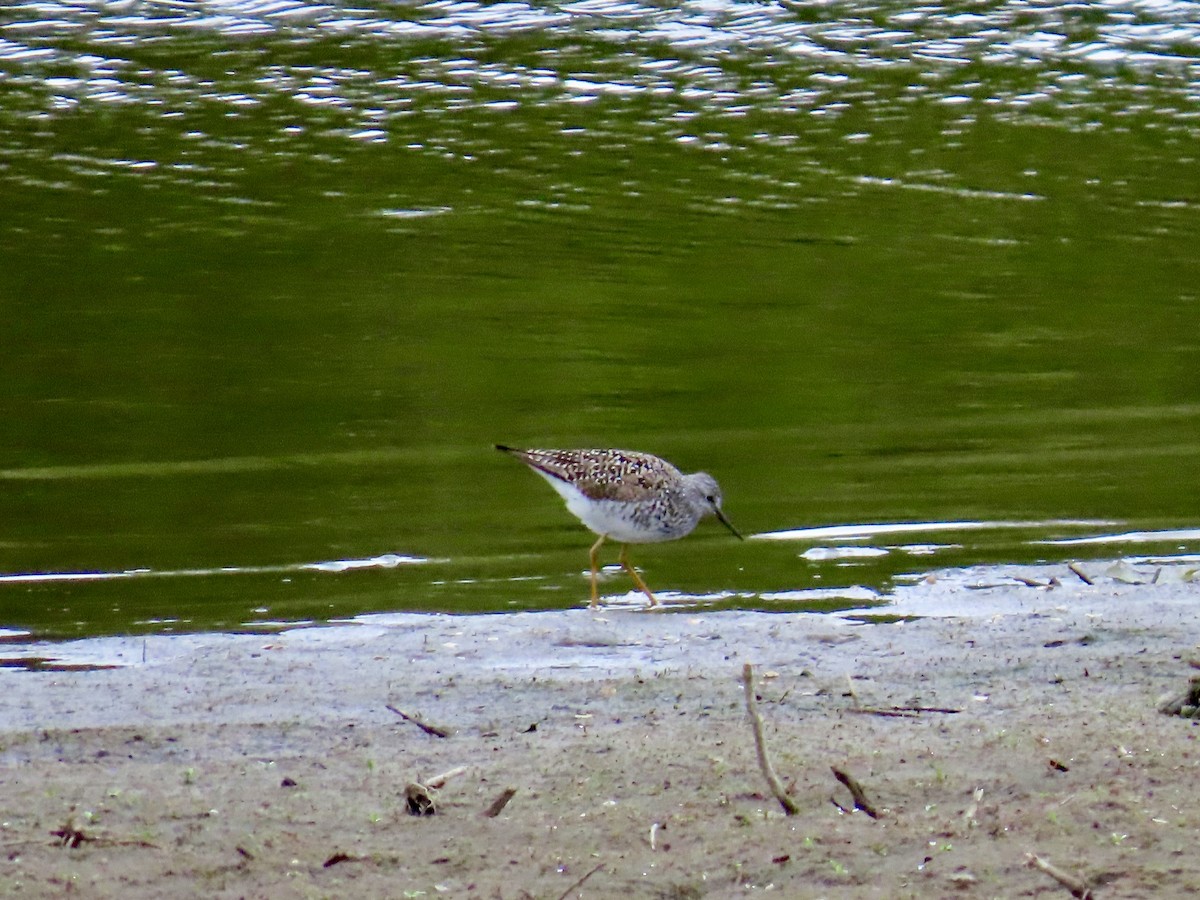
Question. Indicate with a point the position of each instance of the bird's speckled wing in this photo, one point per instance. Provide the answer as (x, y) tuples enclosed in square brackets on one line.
[(622, 475)]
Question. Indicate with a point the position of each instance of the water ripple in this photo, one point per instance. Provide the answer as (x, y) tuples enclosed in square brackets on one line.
[(438, 79), (702, 37)]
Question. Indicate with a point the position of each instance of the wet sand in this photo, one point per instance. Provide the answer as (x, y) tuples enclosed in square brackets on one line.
[(1014, 713)]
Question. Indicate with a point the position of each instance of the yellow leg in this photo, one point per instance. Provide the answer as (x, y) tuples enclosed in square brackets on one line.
[(595, 570), (637, 579)]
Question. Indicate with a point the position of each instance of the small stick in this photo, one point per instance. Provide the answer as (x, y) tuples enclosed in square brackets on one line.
[(428, 729), (760, 744), (850, 689), (341, 858), (567, 892), (1077, 886), (893, 713), (132, 842), (1074, 567), (438, 781), (903, 712), (856, 791), (1030, 582), (970, 812), (499, 803), (23, 841)]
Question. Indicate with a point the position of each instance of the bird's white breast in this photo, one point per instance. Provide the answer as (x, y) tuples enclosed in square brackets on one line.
[(611, 518)]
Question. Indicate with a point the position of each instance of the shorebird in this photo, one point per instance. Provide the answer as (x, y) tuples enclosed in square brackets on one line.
[(633, 498)]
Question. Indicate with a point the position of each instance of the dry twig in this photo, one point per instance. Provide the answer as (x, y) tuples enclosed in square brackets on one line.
[(856, 791), (1083, 576), (902, 712), (438, 781), (760, 744), (1034, 583), (424, 726), (1073, 883), (567, 892), (499, 803), (850, 692), (341, 858)]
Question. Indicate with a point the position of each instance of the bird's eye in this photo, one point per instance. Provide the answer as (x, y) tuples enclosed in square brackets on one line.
[(711, 499)]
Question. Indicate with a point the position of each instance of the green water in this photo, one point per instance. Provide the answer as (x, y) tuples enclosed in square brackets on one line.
[(274, 281)]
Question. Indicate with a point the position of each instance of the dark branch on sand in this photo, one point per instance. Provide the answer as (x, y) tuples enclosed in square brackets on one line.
[(424, 726), (902, 712), (499, 803), (856, 791), (1082, 575)]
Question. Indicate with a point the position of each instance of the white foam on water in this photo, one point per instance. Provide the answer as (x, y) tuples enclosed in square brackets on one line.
[(820, 554), (384, 561), (1129, 537), (864, 531)]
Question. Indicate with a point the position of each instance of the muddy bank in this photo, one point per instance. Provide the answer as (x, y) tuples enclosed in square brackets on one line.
[(1015, 713)]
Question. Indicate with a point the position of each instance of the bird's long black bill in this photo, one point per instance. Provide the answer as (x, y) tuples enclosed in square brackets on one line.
[(728, 524)]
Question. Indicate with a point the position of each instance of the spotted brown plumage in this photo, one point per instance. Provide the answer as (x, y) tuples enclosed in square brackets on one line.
[(605, 474), (631, 497)]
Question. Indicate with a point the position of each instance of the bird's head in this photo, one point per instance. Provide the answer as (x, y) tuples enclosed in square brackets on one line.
[(707, 494)]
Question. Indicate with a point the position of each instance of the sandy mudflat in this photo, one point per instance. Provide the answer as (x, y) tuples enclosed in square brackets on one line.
[(270, 765)]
